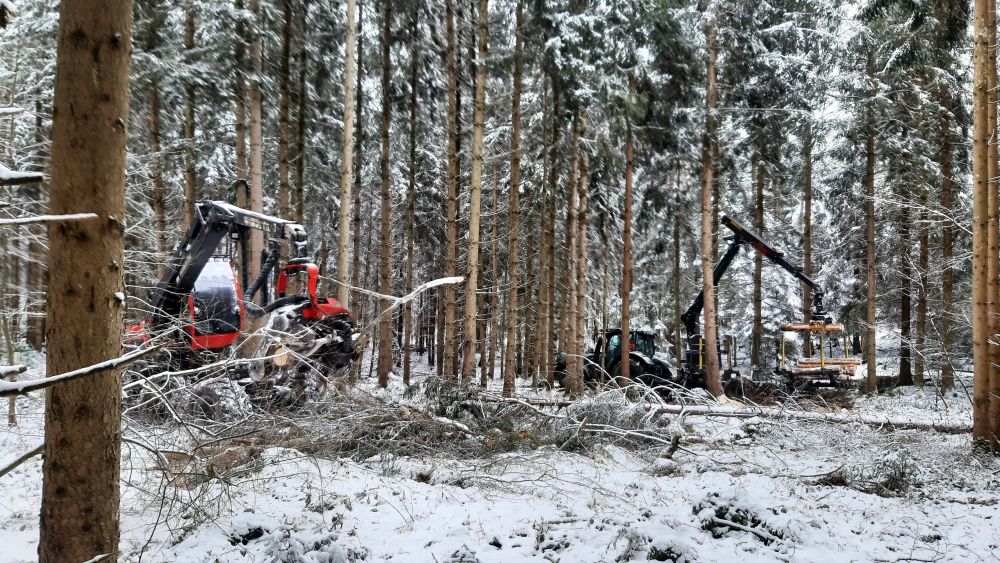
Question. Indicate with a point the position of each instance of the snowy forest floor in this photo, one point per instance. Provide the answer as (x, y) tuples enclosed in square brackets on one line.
[(443, 475)]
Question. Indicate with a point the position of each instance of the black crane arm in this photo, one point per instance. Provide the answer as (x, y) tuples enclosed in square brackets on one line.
[(214, 221), (742, 236)]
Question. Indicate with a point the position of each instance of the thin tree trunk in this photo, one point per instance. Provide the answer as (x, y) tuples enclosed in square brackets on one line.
[(712, 379), (567, 316), (626, 286), (351, 72), (993, 218), (947, 242), (299, 189), (807, 268), (579, 346), (357, 304), (190, 178), (922, 265), (494, 309), (385, 231), (82, 458), (36, 258), (514, 219), (256, 200), (980, 225), (475, 200), (411, 191), (871, 383), (759, 174), (451, 215), (159, 186), (905, 287), (240, 108), (678, 339), (284, 93), (548, 337)]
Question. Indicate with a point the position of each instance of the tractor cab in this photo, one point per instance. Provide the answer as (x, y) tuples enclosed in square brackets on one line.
[(603, 361), (215, 310)]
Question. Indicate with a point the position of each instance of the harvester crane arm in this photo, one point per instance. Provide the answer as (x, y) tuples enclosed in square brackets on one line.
[(744, 236), (212, 222)]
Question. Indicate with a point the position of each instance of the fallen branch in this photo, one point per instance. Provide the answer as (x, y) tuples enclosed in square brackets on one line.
[(12, 370), (10, 389), (48, 218), (10, 177), (767, 537), (14, 464), (880, 422)]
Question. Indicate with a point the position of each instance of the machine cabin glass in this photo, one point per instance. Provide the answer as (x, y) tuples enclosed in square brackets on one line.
[(215, 306)]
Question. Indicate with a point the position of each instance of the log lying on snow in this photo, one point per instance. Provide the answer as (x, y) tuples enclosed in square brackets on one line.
[(879, 422)]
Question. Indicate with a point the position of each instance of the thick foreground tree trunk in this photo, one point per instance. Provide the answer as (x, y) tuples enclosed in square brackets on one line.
[(80, 488)]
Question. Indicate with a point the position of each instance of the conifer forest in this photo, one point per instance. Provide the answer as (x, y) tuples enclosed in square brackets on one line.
[(475, 281)]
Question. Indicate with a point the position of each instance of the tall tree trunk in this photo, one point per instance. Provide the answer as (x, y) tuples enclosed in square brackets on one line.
[(947, 242), (190, 178), (284, 93), (807, 195), (548, 351), (488, 372), (871, 383), (993, 217), (82, 458), (37, 274), (240, 91), (475, 200), (712, 379), (905, 298), (678, 339), (514, 219), (159, 186), (451, 214), (385, 230), (980, 225), (256, 199), (567, 330), (357, 304), (626, 287), (579, 346), (411, 191), (351, 72), (299, 190), (922, 265), (759, 174)]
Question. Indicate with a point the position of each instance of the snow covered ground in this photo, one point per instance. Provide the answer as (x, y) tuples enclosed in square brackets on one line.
[(734, 489)]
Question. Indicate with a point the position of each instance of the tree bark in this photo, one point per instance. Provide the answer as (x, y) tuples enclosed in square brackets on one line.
[(385, 230), (240, 89), (411, 192), (284, 96), (489, 371), (356, 304), (807, 196), (625, 291), (567, 325), (347, 160), (475, 200), (451, 179), (514, 218), (190, 177), (980, 225), (299, 189), (80, 487), (759, 175), (678, 339), (159, 186), (712, 379), (905, 290), (923, 261), (993, 217), (579, 346), (256, 199), (871, 383)]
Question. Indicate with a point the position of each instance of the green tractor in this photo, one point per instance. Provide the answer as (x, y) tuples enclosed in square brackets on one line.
[(603, 362)]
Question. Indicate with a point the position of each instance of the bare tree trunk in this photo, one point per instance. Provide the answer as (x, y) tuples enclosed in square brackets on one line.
[(385, 231), (567, 325), (451, 215), (298, 191), (678, 339), (240, 90), (579, 346), (351, 72), (626, 287), (284, 93), (159, 186), (980, 225), (871, 383), (947, 242), (514, 219), (256, 200), (993, 217), (475, 200), (548, 351), (36, 259), (190, 179), (80, 487), (411, 192), (712, 378), (759, 175), (922, 265), (357, 305), (905, 297), (488, 372), (807, 195)]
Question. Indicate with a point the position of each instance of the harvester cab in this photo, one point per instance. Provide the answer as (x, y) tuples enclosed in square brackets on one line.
[(603, 363)]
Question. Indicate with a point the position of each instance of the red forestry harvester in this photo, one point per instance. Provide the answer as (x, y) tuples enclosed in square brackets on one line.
[(201, 293)]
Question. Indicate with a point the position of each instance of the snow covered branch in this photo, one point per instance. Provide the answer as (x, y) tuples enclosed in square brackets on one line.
[(12, 370), (8, 389), (10, 177), (49, 219), (14, 464)]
